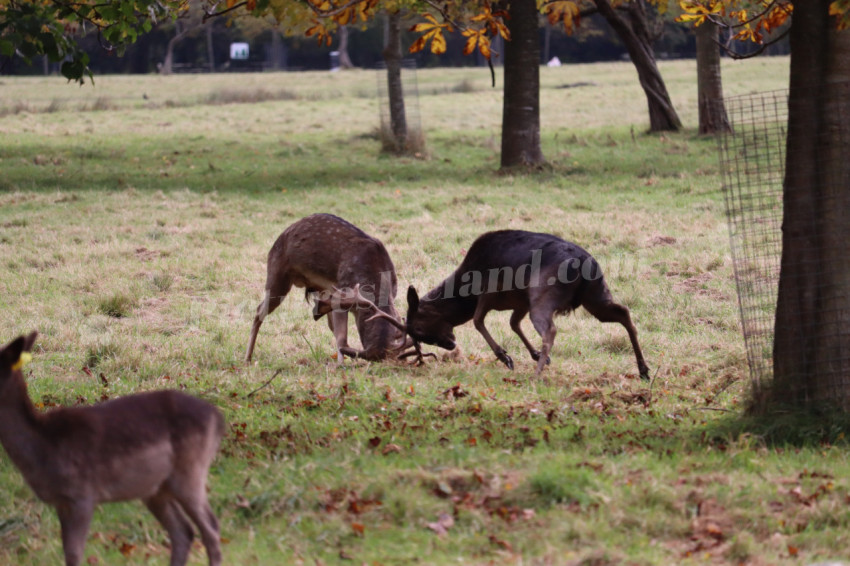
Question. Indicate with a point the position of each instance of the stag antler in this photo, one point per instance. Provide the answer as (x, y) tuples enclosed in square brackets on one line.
[(359, 299), (417, 351)]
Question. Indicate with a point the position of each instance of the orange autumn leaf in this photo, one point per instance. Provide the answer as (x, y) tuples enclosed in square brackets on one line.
[(565, 11), (431, 30)]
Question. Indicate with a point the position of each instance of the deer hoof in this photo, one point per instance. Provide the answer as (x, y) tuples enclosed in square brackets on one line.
[(644, 373), (535, 355), (506, 359)]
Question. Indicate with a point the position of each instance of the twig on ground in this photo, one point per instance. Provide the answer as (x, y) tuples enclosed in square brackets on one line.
[(264, 385)]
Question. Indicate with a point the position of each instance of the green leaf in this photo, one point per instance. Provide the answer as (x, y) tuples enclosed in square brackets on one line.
[(7, 48), (73, 70)]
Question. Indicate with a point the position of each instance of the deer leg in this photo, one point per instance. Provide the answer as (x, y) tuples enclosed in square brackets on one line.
[(169, 514), (612, 312), (478, 320), (274, 295), (192, 497), (338, 323), (545, 326), (516, 319), (74, 518)]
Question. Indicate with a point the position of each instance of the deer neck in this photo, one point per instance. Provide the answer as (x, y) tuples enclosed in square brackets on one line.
[(454, 305), (21, 429)]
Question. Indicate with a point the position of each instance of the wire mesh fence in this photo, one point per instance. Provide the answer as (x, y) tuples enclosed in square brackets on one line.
[(752, 164), (812, 202), (401, 126)]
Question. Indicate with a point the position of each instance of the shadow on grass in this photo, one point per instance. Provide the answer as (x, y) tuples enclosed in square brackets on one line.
[(260, 165), (783, 427)]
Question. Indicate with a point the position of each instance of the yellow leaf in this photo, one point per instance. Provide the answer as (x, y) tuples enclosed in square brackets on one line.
[(471, 42), (438, 43), (484, 46), (431, 19), (421, 26), (343, 17), (417, 45)]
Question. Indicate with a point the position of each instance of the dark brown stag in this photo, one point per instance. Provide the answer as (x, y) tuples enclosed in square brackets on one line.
[(328, 257), (527, 272), (155, 446)]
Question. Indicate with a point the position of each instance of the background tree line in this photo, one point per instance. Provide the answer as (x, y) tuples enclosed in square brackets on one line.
[(204, 46)]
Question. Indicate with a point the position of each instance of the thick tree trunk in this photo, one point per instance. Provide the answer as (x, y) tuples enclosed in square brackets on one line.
[(635, 36), (344, 59), (393, 57), (712, 110), (812, 334), (521, 105)]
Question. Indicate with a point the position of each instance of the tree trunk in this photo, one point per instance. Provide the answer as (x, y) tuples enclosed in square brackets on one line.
[(393, 57), (521, 105), (811, 360), (210, 50), (636, 37), (278, 51), (344, 59), (712, 110), (167, 66)]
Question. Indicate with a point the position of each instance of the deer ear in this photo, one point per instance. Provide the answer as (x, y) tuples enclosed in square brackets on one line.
[(11, 353), (29, 341), (412, 300), (321, 308)]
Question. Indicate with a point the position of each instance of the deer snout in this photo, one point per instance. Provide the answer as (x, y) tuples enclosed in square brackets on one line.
[(447, 343)]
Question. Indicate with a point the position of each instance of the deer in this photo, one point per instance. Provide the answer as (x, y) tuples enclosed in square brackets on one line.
[(529, 273), (155, 446), (328, 257)]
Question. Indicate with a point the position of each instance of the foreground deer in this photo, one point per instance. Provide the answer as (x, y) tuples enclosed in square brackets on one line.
[(156, 447), (526, 272), (325, 254)]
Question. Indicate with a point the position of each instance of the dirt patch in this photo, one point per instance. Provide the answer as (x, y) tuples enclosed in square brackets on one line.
[(145, 254), (696, 285), (660, 240)]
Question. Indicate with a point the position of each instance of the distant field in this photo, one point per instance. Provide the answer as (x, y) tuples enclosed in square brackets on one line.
[(135, 219)]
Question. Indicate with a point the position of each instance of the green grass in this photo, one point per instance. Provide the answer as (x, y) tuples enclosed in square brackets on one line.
[(134, 239)]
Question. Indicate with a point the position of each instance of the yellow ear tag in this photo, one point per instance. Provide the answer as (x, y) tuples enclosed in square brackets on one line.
[(25, 358)]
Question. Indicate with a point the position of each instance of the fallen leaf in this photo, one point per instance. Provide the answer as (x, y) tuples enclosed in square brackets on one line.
[(391, 449), (443, 524), (503, 544), (455, 392), (793, 550)]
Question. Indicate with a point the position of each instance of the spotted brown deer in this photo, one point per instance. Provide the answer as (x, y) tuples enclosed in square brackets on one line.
[(527, 272), (328, 256), (155, 446)]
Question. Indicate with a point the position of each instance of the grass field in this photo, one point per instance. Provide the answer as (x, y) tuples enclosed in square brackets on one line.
[(135, 219)]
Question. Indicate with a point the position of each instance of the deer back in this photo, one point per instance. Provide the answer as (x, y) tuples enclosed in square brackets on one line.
[(117, 450), (323, 253), (514, 268)]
